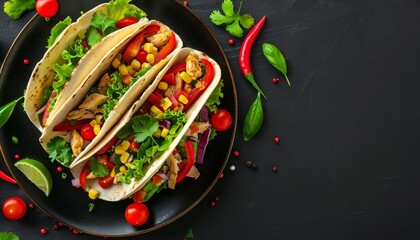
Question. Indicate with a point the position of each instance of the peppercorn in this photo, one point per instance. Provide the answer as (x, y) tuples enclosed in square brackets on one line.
[(59, 169), (31, 206), (275, 80), (236, 153), (251, 165), (231, 41), (26, 61), (276, 139), (275, 169), (43, 231)]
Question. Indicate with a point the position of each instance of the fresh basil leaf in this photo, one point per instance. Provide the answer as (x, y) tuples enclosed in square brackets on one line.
[(275, 58), (254, 119)]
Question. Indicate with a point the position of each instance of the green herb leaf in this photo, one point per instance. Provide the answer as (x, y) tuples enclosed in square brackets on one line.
[(189, 234), (117, 9), (275, 58), (99, 170), (57, 30), (59, 149), (15, 8), (254, 119), (7, 110), (100, 23), (8, 236), (232, 20), (145, 127), (214, 100), (91, 206), (15, 140)]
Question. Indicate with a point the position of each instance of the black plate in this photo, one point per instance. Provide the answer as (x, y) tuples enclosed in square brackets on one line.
[(69, 205)]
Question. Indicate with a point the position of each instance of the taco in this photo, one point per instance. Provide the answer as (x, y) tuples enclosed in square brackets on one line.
[(73, 51), (141, 144), (100, 100)]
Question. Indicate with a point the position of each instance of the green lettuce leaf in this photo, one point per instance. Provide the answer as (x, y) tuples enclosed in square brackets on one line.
[(59, 149), (8, 236), (100, 24), (118, 9), (214, 100), (15, 8), (57, 30)]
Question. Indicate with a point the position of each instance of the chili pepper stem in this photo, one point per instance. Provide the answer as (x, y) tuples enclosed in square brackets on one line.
[(287, 79), (250, 78)]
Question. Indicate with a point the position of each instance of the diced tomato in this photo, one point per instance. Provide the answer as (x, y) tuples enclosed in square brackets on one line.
[(104, 160), (134, 146), (194, 128), (139, 196), (105, 182), (178, 68), (134, 47), (108, 146), (155, 99), (141, 56), (181, 92), (169, 78), (127, 21), (70, 126), (167, 49), (126, 79), (157, 179)]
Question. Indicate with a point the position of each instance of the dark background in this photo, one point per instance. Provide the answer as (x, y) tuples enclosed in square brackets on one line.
[(349, 127)]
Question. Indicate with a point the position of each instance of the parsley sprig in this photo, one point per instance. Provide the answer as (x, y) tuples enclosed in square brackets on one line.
[(232, 20)]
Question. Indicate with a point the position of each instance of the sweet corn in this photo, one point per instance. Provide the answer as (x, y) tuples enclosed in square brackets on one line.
[(93, 123), (93, 194), (123, 169), (112, 174), (98, 119), (144, 65), (163, 85), (164, 132), (119, 150), (125, 144), (157, 133), (122, 69), (124, 157), (183, 99), (116, 62), (96, 129), (184, 76), (150, 58), (148, 47), (155, 110), (166, 103), (131, 70), (175, 109), (136, 64)]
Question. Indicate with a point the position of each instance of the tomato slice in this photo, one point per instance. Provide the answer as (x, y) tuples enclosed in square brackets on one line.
[(104, 160), (139, 196), (167, 49), (189, 149), (157, 179), (105, 182), (127, 21)]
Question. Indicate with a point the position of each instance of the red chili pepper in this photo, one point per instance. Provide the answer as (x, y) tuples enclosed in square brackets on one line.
[(189, 149), (7, 178), (167, 49), (178, 68), (134, 47), (245, 53)]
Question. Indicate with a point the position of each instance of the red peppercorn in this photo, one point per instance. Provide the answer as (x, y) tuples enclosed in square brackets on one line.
[(17, 156), (212, 203), (75, 232), (276, 139), (236, 153), (274, 169), (231, 41), (43, 231), (275, 80), (217, 199), (59, 169), (31, 206), (56, 227), (26, 61), (60, 224), (221, 175)]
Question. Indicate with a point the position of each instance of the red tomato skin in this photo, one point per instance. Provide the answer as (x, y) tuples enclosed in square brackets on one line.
[(105, 182), (87, 132), (139, 196), (46, 8), (141, 56), (136, 214), (14, 208), (221, 120), (127, 21)]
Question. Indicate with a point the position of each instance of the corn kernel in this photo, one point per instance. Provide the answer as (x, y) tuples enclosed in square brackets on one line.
[(122, 69), (184, 76), (116, 63), (125, 144), (183, 99), (98, 119), (157, 133), (150, 58), (155, 110), (166, 103), (123, 169), (112, 174), (163, 85), (159, 116), (124, 157), (175, 109), (148, 47), (131, 70), (136, 64), (119, 56), (93, 194), (144, 65), (119, 150), (96, 129), (155, 51), (164, 133), (93, 123)]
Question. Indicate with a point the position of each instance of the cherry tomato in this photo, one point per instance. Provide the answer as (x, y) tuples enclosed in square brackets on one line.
[(127, 21), (14, 208), (87, 132), (141, 56), (134, 146), (46, 8), (136, 214), (221, 120), (105, 182)]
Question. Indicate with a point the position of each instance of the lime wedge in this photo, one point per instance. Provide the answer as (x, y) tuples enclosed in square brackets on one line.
[(37, 173)]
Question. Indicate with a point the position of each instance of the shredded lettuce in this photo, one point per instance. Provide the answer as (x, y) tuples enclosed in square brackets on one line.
[(214, 98), (150, 188), (15, 8), (118, 9), (57, 30)]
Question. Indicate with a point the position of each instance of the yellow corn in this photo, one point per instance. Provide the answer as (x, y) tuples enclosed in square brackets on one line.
[(148, 47), (129, 165), (96, 129), (144, 65), (155, 110), (119, 150), (157, 133), (131, 70), (163, 85), (125, 144), (123, 169), (124, 157), (183, 99), (116, 62), (122, 69), (93, 194), (112, 174), (93, 123), (175, 109), (150, 58), (166, 103), (98, 119), (159, 116), (164, 132), (136, 64), (184, 76)]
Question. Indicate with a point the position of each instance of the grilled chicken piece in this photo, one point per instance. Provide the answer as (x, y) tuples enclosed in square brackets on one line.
[(103, 84), (193, 173), (202, 126), (80, 114), (92, 101), (173, 171), (159, 39), (193, 67), (174, 88), (76, 143)]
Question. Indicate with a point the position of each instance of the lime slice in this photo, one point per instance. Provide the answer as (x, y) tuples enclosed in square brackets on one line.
[(37, 173)]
